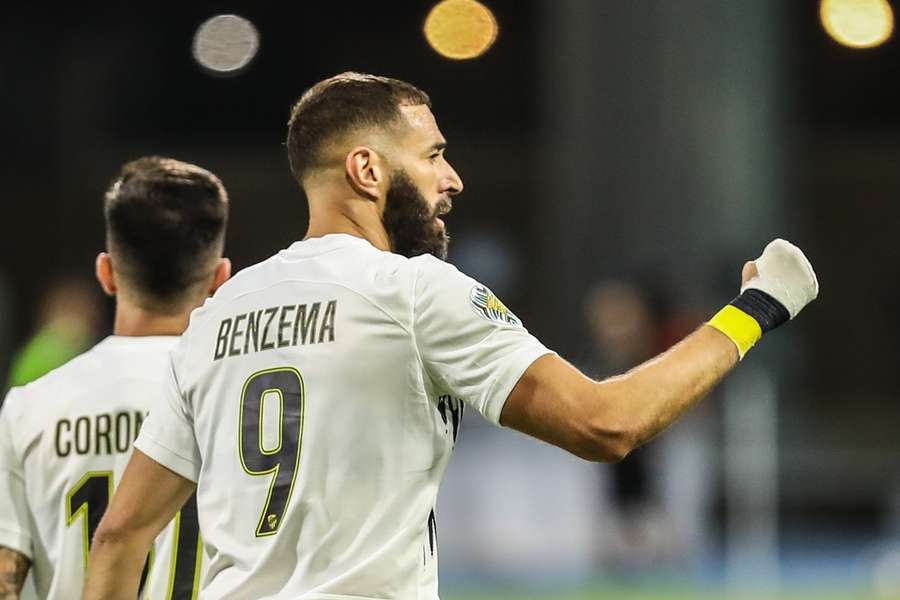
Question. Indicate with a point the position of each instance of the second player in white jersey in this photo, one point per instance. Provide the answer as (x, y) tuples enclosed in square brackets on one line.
[(339, 372), (66, 438), (64, 441)]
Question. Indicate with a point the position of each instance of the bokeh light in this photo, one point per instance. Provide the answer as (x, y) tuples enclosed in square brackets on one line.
[(857, 23), (225, 44), (461, 29)]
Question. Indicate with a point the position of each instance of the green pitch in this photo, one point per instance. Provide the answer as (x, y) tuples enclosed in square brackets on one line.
[(671, 593)]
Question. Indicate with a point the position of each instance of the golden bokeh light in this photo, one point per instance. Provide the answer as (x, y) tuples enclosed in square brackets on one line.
[(460, 29), (857, 23)]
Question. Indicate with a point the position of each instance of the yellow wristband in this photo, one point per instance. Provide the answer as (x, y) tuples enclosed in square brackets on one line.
[(741, 328)]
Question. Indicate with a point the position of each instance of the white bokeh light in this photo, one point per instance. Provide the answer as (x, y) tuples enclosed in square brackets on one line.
[(225, 44)]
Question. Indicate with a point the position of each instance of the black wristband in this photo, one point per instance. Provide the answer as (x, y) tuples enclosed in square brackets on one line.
[(766, 310)]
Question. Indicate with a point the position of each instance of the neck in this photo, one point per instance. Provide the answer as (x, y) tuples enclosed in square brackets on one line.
[(137, 322), (356, 217)]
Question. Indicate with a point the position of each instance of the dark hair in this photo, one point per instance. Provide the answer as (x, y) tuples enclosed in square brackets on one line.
[(340, 104), (165, 225)]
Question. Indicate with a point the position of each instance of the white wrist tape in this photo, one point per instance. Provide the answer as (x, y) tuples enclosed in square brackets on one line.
[(785, 274)]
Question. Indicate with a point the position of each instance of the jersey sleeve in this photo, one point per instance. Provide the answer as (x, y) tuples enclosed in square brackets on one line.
[(167, 435), (15, 529), (470, 344)]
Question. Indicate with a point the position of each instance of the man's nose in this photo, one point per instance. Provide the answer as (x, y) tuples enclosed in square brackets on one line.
[(454, 181)]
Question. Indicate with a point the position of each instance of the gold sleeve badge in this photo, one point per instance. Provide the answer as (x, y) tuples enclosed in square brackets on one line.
[(490, 307)]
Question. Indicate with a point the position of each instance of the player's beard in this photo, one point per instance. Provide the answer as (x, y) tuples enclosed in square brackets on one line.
[(410, 223)]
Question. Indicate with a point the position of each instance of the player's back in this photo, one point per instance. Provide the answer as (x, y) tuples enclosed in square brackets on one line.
[(315, 399), (69, 435), (321, 452)]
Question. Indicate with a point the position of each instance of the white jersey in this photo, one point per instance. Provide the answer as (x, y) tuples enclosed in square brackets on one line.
[(315, 399), (64, 441)]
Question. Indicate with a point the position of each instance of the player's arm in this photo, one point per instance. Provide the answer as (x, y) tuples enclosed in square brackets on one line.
[(605, 420), (13, 569), (146, 500), (15, 527)]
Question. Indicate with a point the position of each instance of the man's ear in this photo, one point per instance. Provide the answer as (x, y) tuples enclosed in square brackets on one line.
[(103, 270), (223, 272), (365, 171)]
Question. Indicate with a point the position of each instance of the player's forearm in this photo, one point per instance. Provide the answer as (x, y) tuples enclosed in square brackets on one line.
[(13, 570), (114, 568), (632, 408), (148, 497)]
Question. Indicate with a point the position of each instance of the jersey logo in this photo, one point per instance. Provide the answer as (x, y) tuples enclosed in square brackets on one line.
[(489, 306), (454, 406)]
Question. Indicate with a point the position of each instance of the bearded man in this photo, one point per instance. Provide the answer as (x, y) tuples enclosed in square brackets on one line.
[(314, 401)]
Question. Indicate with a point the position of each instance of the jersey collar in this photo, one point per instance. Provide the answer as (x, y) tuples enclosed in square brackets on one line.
[(326, 243)]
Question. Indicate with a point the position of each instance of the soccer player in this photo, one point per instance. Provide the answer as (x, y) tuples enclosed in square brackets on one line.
[(65, 438), (314, 401)]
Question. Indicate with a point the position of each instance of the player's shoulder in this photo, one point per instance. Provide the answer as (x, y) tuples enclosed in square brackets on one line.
[(442, 286), (112, 358), (390, 275), (381, 280), (435, 276), (340, 259), (428, 265), (25, 409), (62, 375), (44, 393)]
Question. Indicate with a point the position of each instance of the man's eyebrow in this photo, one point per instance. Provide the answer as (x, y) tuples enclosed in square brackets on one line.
[(437, 147)]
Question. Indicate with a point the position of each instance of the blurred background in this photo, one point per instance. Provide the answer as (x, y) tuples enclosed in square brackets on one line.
[(621, 160)]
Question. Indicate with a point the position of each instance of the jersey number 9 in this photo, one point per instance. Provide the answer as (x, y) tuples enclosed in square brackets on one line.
[(281, 459)]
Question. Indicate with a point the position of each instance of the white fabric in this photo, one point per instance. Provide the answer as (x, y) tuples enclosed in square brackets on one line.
[(381, 407), (50, 431), (785, 274)]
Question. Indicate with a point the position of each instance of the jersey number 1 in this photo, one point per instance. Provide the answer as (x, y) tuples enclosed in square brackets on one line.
[(281, 459)]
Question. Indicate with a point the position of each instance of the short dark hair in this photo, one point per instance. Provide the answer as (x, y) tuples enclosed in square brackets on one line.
[(340, 104), (165, 226)]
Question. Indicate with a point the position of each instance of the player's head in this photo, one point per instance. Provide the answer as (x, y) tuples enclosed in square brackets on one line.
[(378, 136), (165, 232)]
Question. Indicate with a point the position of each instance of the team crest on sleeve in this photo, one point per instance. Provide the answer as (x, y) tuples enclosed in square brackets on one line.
[(490, 307)]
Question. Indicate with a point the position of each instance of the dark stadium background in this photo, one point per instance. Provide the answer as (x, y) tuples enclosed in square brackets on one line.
[(596, 138)]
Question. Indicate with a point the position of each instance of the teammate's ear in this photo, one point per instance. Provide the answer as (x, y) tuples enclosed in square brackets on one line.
[(223, 272), (365, 172), (104, 271)]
